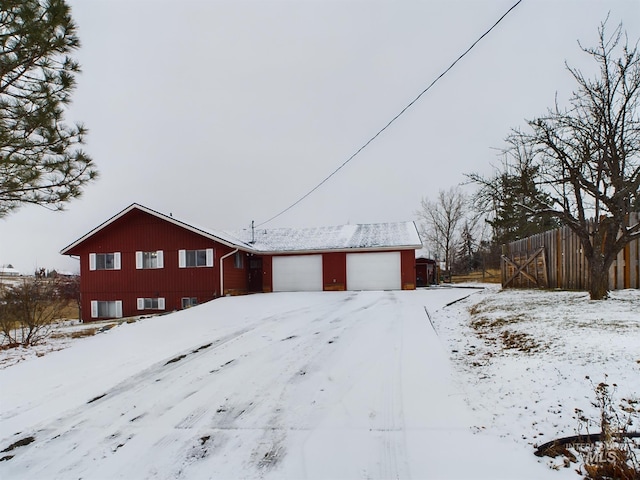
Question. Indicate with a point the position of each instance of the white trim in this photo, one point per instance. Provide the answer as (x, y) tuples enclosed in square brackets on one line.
[(139, 260), (161, 303), (140, 303), (94, 309), (182, 259), (160, 258), (135, 206), (92, 261), (118, 308), (233, 242), (209, 257), (117, 261)]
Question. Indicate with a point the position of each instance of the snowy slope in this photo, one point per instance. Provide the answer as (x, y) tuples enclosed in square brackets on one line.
[(291, 385), (526, 359)]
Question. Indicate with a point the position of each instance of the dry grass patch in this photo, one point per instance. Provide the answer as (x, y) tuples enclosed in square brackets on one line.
[(497, 326), (490, 276)]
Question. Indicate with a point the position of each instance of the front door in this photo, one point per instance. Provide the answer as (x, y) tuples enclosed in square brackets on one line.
[(255, 274)]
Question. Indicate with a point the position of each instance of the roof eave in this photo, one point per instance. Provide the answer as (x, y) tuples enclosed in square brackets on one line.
[(338, 250), (133, 206)]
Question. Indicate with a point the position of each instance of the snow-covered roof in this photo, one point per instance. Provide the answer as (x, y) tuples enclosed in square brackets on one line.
[(400, 235), (341, 237), (9, 272)]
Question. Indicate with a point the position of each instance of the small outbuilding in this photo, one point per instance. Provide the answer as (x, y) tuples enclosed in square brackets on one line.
[(426, 272), (141, 261)]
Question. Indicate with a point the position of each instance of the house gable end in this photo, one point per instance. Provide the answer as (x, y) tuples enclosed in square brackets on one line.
[(92, 236)]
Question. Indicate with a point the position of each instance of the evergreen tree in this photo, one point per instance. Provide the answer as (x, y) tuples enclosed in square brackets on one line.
[(40, 162), (513, 220)]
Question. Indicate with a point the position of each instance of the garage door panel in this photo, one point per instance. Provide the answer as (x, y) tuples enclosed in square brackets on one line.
[(297, 273), (373, 271)]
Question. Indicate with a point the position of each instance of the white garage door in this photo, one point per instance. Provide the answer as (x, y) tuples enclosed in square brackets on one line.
[(297, 273), (373, 271)]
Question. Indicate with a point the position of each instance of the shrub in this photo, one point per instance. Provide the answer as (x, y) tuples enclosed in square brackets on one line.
[(613, 454), (28, 310)]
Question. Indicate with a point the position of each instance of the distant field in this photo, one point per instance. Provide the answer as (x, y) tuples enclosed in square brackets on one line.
[(71, 312), (490, 276)]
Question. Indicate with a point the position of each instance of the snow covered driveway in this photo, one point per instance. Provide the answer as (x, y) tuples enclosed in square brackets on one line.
[(287, 385)]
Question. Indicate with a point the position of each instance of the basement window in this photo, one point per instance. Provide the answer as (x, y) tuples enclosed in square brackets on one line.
[(108, 309), (189, 302), (151, 303)]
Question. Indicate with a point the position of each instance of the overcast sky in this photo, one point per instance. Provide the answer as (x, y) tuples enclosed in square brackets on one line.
[(223, 112)]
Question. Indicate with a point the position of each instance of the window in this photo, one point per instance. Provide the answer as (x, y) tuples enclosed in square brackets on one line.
[(108, 309), (156, 303), (104, 261), (149, 260), (189, 302), (195, 258), (238, 260)]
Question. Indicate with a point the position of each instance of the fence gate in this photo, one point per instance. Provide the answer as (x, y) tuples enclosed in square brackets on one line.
[(525, 269)]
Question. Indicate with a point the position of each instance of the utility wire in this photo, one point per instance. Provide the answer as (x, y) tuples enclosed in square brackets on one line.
[(394, 118)]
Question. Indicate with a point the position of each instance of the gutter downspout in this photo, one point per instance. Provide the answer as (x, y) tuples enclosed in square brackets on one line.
[(222, 270)]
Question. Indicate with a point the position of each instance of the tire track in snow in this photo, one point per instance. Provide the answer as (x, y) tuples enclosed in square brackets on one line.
[(207, 408), (271, 446), (393, 456), (67, 428)]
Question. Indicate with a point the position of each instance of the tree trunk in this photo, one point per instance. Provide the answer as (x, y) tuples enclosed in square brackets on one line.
[(599, 281)]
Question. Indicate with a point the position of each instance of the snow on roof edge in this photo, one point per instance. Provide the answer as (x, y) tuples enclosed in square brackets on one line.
[(396, 235)]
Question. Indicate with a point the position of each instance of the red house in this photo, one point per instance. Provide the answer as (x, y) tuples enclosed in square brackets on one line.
[(141, 261)]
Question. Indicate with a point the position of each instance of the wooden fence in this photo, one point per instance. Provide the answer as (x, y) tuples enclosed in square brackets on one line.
[(555, 259)]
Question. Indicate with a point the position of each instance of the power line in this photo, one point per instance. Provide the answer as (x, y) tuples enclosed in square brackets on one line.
[(409, 105)]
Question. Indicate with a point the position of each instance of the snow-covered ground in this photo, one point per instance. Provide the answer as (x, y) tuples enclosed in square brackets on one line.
[(321, 385), (526, 359)]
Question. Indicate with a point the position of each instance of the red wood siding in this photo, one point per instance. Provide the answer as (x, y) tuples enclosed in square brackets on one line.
[(334, 271), (139, 231), (235, 279), (267, 281), (408, 269)]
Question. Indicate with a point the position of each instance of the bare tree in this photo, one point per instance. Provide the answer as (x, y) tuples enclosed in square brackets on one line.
[(586, 158), (440, 221), (466, 256), (28, 310)]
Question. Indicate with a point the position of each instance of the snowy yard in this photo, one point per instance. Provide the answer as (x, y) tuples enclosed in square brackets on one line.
[(524, 356), (321, 385)]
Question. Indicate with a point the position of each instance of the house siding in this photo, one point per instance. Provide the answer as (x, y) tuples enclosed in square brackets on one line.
[(235, 279), (267, 280), (139, 231), (408, 269), (334, 271)]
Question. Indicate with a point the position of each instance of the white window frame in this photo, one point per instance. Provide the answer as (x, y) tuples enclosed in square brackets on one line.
[(95, 308), (93, 261), (143, 303), (140, 260), (182, 258)]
